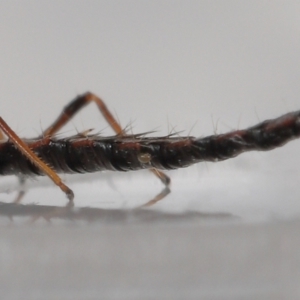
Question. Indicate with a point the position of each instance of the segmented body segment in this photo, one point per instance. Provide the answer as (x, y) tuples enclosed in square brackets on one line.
[(94, 153)]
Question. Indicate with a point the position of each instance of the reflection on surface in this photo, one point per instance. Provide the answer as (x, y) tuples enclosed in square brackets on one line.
[(89, 214)]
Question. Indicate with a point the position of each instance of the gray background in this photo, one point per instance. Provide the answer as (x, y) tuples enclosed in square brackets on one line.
[(200, 66)]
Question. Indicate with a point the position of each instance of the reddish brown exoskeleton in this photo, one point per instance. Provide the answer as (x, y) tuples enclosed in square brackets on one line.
[(48, 155)]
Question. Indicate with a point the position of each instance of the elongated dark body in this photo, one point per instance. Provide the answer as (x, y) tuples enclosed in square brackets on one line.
[(124, 153)]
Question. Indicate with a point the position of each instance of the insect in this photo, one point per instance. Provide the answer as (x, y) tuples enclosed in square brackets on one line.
[(83, 153)]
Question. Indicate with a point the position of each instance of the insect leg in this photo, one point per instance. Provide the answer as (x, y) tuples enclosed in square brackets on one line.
[(26, 151), (166, 181), (21, 192), (1, 136), (76, 105)]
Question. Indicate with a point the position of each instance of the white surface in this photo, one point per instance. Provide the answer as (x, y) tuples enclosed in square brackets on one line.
[(201, 66), (175, 260)]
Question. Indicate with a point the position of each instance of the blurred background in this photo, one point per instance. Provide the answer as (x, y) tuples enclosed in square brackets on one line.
[(201, 67)]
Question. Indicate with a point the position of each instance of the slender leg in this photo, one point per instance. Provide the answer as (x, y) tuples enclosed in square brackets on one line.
[(1, 136), (21, 192), (166, 181), (166, 191), (75, 106), (25, 150)]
